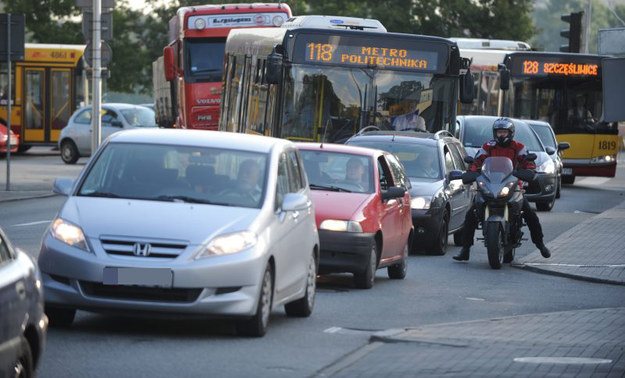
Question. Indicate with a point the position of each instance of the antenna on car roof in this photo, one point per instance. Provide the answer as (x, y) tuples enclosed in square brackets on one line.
[(325, 130)]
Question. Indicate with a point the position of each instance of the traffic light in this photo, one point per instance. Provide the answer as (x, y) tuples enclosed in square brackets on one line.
[(574, 32)]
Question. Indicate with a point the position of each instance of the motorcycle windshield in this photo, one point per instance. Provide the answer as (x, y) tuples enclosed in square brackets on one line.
[(497, 168)]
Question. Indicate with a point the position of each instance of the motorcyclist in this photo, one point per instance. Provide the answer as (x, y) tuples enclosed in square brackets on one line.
[(502, 144)]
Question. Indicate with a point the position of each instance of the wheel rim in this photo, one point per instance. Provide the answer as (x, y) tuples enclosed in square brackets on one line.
[(444, 235), (266, 298), (405, 261), (501, 249), (68, 152), (372, 263), (311, 287), (18, 369)]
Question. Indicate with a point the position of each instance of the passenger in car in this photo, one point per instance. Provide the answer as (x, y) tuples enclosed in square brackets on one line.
[(356, 174)]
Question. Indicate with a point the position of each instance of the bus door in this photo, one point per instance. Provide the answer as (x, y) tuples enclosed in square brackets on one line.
[(46, 103)]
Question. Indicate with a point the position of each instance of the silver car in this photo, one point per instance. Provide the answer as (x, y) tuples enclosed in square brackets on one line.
[(23, 324), (75, 138), (184, 222)]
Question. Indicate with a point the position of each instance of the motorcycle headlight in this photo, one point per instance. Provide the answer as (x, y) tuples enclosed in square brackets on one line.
[(547, 167), (68, 233), (506, 190), (340, 226), (420, 203), (228, 244)]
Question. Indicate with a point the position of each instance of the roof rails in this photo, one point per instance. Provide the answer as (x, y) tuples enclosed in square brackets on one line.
[(442, 134), (334, 22)]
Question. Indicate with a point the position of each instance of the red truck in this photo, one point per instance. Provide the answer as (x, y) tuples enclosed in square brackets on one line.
[(187, 78)]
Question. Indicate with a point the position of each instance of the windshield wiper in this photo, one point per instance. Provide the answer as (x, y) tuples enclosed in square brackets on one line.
[(330, 188), (182, 199), (205, 70), (100, 194)]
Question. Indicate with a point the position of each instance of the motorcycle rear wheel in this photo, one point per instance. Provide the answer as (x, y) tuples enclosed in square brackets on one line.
[(494, 245)]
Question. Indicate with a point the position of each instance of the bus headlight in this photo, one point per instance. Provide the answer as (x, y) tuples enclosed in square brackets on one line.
[(603, 159), (547, 167)]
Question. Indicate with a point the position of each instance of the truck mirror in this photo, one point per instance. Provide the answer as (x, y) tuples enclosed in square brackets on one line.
[(504, 79), (466, 88), (168, 62), (274, 67)]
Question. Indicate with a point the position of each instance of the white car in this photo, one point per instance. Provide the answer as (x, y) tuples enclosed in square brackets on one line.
[(75, 138), (184, 222)]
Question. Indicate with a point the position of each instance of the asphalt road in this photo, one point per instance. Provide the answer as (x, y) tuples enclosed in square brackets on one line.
[(436, 290)]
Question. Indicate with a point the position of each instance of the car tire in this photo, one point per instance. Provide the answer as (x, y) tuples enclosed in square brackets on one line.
[(365, 279), (398, 271), (303, 307), (258, 324), (546, 206), (69, 152), (60, 317), (458, 237), (559, 188), (23, 366), (568, 180), (439, 244), (23, 148)]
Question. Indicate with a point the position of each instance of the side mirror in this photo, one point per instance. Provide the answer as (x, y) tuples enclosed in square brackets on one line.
[(469, 177), (455, 175), (393, 192), (531, 156), (466, 88), (169, 63), (550, 150), (274, 68), (525, 175), (563, 146), (63, 186), (504, 79), (116, 123), (294, 202), (469, 159)]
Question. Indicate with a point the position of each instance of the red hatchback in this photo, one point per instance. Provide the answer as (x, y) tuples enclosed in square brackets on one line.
[(362, 210)]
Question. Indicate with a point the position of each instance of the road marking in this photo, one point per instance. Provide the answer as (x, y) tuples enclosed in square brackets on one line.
[(594, 180), (579, 266), (332, 330), (475, 299), (562, 360), (31, 223)]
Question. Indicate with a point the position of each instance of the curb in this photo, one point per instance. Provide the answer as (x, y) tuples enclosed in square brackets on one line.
[(578, 277), (23, 196)]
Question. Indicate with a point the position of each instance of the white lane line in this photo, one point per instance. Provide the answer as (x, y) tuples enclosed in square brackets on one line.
[(562, 360), (30, 223), (332, 330), (594, 180)]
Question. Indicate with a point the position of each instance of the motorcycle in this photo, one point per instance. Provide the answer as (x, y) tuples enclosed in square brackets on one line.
[(498, 201)]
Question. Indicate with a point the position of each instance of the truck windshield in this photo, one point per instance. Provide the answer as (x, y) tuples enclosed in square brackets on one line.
[(204, 59), (332, 103)]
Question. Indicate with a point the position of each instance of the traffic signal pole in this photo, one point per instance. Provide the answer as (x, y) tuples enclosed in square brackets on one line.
[(97, 78)]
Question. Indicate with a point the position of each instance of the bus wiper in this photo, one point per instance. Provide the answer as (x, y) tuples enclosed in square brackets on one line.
[(100, 194), (330, 188), (207, 70), (182, 199)]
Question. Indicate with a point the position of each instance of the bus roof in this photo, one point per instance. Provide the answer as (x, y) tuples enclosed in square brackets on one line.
[(334, 22), (484, 60), (51, 52), (496, 44)]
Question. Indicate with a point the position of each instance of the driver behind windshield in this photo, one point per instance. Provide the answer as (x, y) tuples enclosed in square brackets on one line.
[(504, 145)]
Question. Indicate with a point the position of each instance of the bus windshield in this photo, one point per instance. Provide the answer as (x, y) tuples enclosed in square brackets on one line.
[(204, 59), (332, 103), (569, 108)]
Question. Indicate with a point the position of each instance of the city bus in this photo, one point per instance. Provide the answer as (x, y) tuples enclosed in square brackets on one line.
[(486, 55), (46, 89), (324, 78), (581, 96), (187, 78)]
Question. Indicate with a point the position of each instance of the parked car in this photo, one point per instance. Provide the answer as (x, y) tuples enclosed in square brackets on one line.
[(362, 210), (4, 138), (23, 323), (552, 147), (75, 138), (438, 205), (475, 130), (184, 222)]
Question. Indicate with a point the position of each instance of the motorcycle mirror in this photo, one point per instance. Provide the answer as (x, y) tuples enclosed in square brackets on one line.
[(531, 156), (525, 175), (469, 177), (469, 159)]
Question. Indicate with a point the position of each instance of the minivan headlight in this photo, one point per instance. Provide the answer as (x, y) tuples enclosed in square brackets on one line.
[(228, 244), (68, 233)]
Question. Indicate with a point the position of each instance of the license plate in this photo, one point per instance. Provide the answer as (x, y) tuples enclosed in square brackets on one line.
[(567, 171), (161, 277)]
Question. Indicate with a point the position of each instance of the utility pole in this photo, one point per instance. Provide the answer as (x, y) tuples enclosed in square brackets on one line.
[(587, 27), (96, 124)]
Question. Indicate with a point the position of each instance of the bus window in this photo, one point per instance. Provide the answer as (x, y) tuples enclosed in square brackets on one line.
[(34, 92), (60, 98), (4, 86)]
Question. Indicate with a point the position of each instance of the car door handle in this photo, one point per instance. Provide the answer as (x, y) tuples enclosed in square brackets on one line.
[(21, 290)]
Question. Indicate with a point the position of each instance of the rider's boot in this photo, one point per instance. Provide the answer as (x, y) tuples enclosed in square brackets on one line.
[(544, 250), (463, 255)]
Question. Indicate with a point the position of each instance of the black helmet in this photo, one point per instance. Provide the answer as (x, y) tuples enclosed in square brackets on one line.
[(503, 124)]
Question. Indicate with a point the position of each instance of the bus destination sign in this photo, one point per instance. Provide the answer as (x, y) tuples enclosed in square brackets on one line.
[(558, 66), (387, 54)]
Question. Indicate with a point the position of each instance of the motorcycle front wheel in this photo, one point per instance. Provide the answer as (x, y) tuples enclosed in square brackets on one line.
[(494, 244)]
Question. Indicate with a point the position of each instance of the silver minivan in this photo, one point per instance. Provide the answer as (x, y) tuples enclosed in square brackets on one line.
[(184, 222)]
